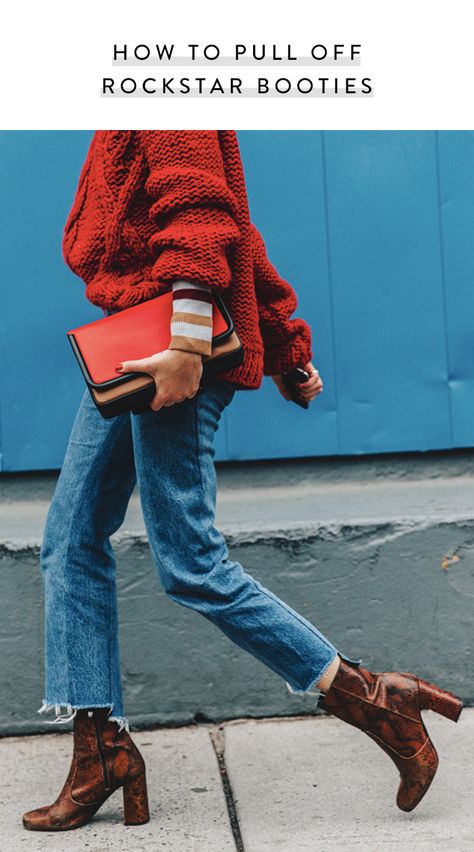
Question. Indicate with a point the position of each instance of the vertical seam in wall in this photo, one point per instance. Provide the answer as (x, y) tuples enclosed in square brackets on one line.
[(443, 284), (330, 283)]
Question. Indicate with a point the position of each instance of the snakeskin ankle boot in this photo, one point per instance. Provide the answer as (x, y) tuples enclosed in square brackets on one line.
[(104, 759), (386, 706)]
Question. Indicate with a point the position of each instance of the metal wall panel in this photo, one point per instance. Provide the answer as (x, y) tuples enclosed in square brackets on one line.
[(373, 229), (388, 297), (39, 296)]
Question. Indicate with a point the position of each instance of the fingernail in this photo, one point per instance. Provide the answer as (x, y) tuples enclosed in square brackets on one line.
[(119, 367)]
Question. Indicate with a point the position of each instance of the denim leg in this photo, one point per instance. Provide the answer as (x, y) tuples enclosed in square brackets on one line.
[(174, 459), (78, 564)]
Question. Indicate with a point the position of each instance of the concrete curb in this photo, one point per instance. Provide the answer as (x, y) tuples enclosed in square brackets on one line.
[(385, 568)]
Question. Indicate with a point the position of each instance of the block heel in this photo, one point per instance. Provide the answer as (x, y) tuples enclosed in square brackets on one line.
[(135, 801), (435, 698)]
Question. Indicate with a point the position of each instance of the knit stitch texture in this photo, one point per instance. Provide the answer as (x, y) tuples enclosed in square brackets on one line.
[(154, 206)]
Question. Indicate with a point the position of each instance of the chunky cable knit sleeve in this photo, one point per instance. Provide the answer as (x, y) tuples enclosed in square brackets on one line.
[(193, 208), (287, 341)]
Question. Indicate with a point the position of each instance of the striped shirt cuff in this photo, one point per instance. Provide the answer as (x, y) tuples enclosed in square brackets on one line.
[(191, 321)]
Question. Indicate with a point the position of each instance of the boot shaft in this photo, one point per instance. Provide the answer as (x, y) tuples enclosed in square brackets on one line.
[(103, 755)]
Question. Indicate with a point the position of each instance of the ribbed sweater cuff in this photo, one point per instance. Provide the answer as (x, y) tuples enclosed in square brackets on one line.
[(191, 321), (282, 359)]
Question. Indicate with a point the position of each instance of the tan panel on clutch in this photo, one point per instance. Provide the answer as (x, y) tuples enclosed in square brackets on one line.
[(118, 391), (229, 345)]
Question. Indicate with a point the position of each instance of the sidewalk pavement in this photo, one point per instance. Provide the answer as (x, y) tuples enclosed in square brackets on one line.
[(300, 784)]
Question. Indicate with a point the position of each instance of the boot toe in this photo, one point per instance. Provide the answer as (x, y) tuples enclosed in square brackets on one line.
[(37, 820), (416, 780), (409, 797), (47, 819)]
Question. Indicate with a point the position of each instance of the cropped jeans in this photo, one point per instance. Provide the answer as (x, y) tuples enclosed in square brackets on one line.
[(170, 454)]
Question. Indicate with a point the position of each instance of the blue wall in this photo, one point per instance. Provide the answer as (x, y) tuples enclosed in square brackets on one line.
[(373, 229)]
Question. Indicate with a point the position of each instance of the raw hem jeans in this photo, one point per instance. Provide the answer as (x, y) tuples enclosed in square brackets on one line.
[(170, 454)]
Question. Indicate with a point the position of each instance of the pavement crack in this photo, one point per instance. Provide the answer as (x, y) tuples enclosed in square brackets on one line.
[(217, 739)]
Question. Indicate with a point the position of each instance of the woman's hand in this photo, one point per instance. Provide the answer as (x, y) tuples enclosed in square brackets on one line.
[(307, 390), (177, 375)]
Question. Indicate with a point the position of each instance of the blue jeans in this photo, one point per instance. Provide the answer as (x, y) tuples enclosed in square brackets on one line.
[(170, 453)]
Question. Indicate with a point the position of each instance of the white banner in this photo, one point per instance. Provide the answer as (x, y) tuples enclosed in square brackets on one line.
[(249, 65)]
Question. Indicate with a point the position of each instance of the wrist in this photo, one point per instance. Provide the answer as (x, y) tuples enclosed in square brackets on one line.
[(185, 354)]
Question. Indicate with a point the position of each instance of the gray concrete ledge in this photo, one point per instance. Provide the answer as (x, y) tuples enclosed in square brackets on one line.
[(382, 562), (261, 498)]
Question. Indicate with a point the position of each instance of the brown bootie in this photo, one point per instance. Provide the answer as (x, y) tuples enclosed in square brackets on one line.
[(386, 706), (104, 759)]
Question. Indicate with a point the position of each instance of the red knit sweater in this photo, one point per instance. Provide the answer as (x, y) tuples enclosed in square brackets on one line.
[(154, 206)]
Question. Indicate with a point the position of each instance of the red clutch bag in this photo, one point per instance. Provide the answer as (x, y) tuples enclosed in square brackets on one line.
[(139, 332)]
